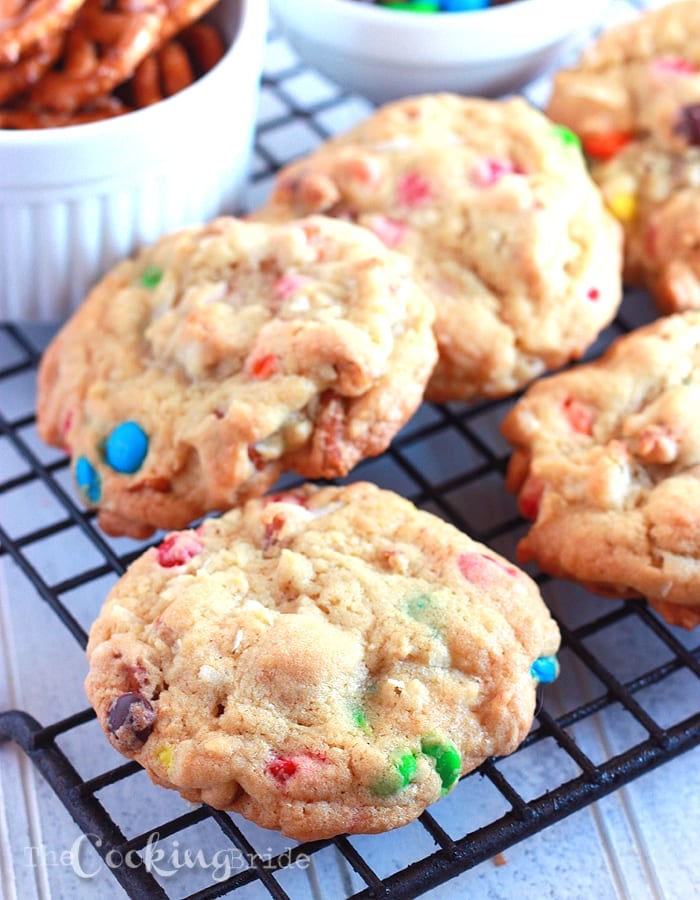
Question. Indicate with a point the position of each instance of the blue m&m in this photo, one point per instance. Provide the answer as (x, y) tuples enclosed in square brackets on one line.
[(126, 447), (88, 479), (545, 669), (462, 5)]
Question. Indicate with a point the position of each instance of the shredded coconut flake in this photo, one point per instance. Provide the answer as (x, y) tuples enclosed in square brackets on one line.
[(262, 611), (325, 510), (299, 304), (401, 142), (210, 675)]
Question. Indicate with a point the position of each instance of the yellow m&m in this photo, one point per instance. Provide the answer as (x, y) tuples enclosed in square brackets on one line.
[(623, 207)]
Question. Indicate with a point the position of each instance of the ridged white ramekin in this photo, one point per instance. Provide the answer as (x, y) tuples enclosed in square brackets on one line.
[(74, 201)]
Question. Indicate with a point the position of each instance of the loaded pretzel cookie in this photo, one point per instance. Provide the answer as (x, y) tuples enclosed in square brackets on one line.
[(640, 79), (494, 205), (225, 354), (634, 100), (655, 193), (606, 464), (322, 661)]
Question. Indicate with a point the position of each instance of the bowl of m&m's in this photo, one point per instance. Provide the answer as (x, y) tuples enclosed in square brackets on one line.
[(389, 49)]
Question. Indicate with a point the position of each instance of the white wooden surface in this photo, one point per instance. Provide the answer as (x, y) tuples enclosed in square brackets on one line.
[(641, 842)]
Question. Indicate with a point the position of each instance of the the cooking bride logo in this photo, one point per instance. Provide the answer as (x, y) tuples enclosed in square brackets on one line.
[(163, 859)]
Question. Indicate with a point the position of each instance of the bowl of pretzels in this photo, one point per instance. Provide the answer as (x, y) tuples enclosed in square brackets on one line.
[(120, 121)]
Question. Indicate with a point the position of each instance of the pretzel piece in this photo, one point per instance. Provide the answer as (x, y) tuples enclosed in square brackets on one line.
[(176, 65), (204, 45), (25, 116), (182, 13), (30, 24), (121, 38), (17, 78), (9, 9), (87, 50), (115, 41)]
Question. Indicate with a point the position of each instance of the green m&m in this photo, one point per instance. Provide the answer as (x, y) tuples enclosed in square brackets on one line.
[(448, 762), (402, 771)]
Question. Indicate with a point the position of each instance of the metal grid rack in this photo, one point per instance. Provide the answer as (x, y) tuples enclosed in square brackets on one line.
[(450, 460)]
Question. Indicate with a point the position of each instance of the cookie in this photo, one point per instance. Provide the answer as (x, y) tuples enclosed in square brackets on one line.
[(506, 230), (606, 464), (640, 79), (225, 354), (655, 193), (322, 661)]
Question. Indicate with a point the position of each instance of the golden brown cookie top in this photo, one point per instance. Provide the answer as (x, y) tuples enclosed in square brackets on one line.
[(197, 371), (640, 78), (607, 465), (655, 192), (505, 228), (322, 660)]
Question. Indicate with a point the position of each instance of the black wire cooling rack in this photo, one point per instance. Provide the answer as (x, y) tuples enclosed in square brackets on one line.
[(450, 460), (436, 427)]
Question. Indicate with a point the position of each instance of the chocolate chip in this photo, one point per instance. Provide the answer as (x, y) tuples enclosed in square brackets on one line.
[(689, 123), (130, 720)]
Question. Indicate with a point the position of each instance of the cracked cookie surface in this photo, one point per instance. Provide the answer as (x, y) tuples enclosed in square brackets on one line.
[(322, 661), (198, 371), (606, 464), (494, 205)]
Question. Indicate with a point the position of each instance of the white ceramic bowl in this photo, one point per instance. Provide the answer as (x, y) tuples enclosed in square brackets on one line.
[(74, 201), (386, 54)]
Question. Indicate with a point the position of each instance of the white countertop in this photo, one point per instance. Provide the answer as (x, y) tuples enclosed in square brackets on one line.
[(640, 842)]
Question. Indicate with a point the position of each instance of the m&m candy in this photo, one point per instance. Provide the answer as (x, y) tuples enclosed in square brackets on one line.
[(545, 669), (437, 6), (88, 479), (446, 759), (126, 447), (462, 5)]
